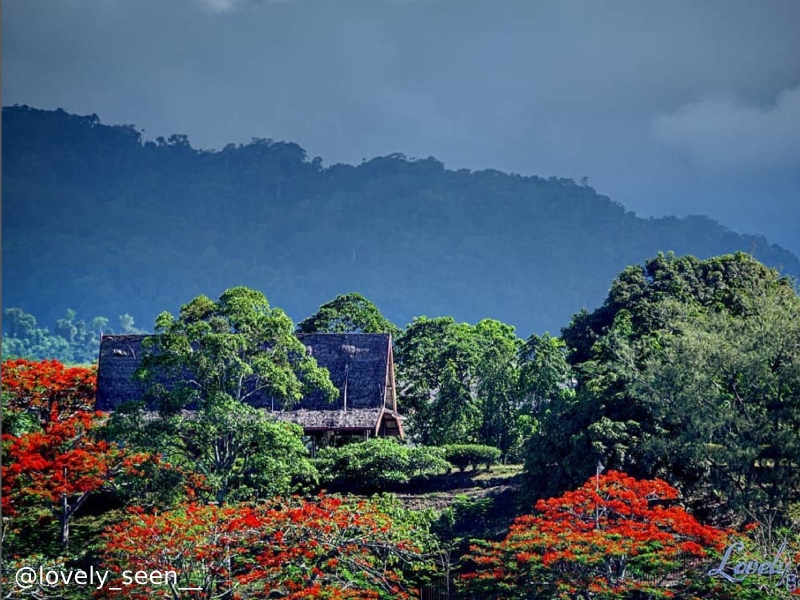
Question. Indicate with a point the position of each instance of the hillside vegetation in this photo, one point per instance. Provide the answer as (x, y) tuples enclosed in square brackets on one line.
[(97, 220)]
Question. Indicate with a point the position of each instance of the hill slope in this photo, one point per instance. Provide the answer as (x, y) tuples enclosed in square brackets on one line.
[(96, 220)]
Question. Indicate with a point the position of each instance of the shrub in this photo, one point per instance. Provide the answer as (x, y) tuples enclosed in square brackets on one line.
[(378, 464), (471, 455)]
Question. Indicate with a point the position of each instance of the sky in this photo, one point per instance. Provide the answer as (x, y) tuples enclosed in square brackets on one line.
[(670, 107)]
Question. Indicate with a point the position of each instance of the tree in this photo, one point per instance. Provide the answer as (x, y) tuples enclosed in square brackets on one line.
[(321, 548), (23, 339), (205, 546), (219, 356), (459, 382), (497, 371), (348, 313), (670, 384), (127, 325), (614, 537), (60, 466), (436, 361), (47, 390), (726, 394), (238, 348), (74, 341), (239, 452), (545, 373)]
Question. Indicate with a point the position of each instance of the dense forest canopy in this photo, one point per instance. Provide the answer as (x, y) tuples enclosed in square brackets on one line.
[(98, 220)]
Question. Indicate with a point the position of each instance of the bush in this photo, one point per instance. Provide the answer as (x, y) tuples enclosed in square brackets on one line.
[(378, 464), (471, 455)]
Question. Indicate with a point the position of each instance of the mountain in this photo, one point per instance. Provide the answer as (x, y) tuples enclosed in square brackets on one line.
[(98, 220)]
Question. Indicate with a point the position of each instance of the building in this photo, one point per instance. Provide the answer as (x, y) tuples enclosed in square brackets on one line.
[(361, 366)]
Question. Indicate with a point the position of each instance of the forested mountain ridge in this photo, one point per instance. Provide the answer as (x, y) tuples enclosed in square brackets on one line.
[(97, 220)]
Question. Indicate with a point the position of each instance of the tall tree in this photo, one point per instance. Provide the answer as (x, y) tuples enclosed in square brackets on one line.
[(459, 382), (348, 313), (668, 376), (545, 374), (238, 348), (497, 371), (219, 356), (436, 361), (726, 394)]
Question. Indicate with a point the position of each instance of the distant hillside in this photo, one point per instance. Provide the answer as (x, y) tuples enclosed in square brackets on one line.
[(96, 220)]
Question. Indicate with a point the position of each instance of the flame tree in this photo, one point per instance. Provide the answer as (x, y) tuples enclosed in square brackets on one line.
[(611, 538)]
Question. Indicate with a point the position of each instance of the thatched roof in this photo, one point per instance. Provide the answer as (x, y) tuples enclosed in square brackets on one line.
[(359, 364), (120, 356)]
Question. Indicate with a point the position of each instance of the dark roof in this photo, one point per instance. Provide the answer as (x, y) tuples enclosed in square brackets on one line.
[(336, 420), (357, 363), (120, 356)]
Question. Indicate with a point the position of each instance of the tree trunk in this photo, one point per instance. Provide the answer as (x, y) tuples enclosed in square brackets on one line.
[(63, 519)]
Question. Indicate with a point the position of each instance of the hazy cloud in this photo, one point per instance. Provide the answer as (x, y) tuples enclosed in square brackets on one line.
[(231, 5), (724, 133)]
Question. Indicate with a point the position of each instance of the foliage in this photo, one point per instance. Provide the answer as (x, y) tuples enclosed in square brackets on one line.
[(615, 537), (348, 313), (481, 384), (59, 467), (47, 390), (435, 359), (464, 516), (471, 455), (237, 348), (456, 381), (73, 341), (298, 549), (545, 373), (726, 393), (496, 384), (412, 235), (220, 355), (377, 464), (688, 371), (227, 451)]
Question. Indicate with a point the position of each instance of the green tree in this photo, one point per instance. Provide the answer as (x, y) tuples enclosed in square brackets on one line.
[(348, 313), (726, 396), (73, 340), (686, 372), (220, 356), (23, 339), (240, 452), (497, 371), (127, 326), (545, 373), (238, 348), (459, 383), (436, 361)]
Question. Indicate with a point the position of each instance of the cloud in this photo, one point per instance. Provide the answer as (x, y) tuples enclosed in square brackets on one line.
[(724, 133), (220, 6)]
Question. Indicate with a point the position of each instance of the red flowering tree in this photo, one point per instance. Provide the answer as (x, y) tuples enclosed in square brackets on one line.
[(47, 389), (614, 537), (301, 549), (60, 466)]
